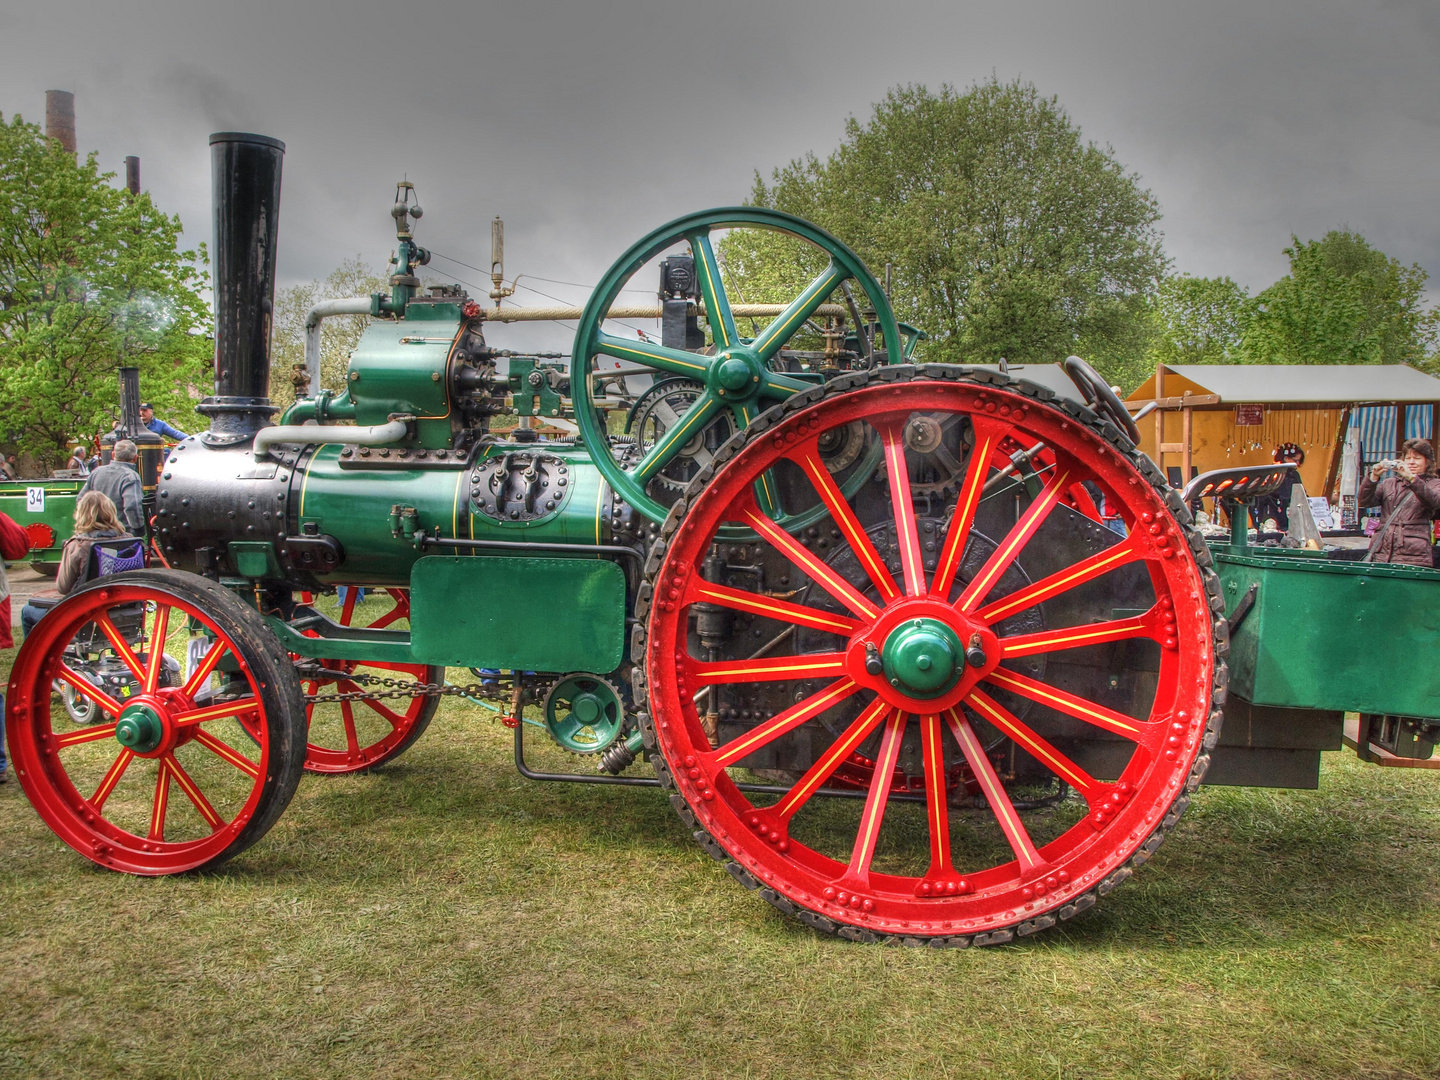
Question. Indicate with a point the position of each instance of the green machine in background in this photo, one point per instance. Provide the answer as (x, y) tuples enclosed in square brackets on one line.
[(862, 619), (45, 509)]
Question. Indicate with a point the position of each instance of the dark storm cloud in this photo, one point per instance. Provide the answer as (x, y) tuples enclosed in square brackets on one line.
[(586, 124)]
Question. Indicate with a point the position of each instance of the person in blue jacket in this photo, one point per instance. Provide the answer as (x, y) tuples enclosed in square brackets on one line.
[(158, 426)]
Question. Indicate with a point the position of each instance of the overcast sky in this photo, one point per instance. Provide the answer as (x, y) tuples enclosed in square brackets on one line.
[(586, 124)]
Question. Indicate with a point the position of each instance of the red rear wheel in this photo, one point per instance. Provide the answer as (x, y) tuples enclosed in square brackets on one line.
[(951, 650), (165, 779), (352, 736)]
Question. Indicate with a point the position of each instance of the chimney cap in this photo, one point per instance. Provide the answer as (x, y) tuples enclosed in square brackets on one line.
[(246, 137)]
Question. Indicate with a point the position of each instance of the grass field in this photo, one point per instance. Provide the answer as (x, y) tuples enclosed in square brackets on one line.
[(446, 918)]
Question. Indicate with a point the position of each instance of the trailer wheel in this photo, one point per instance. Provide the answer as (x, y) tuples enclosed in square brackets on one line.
[(166, 780), (356, 736), (922, 657)]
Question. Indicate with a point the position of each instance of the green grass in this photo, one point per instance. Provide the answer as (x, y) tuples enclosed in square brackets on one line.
[(445, 917)]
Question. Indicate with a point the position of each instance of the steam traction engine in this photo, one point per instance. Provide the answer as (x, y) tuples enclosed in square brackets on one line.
[(862, 619)]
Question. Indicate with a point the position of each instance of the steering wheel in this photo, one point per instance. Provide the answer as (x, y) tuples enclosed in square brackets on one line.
[(739, 377), (1100, 397)]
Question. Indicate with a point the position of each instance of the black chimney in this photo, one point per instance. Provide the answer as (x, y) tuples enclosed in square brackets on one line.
[(245, 186)]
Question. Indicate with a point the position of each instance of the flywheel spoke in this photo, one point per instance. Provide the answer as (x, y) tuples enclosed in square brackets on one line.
[(783, 328), (90, 690), (352, 737), (691, 423), (85, 735), (712, 291), (675, 361), (937, 810), (161, 801), (237, 708), (206, 667), (390, 716)]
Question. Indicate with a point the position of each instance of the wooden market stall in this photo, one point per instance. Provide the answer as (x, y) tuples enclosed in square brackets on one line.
[(1214, 416)]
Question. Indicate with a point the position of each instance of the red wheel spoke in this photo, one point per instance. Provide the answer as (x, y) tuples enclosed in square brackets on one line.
[(770, 668), (1018, 537), (1078, 707), (112, 777), (91, 691), (691, 422), (801, 308), (1037, 747), (857, 873), (226, 752), (347, 610), (780, 724), (193, 793), (818, 572), (236, 708), (84, 735), (702, 591), (401, 610), (937, 810), (1075, 637), (160, 802), (712, 290), (120, 645), (158, 635), (907, 533), (988, 435), (393, 718), (858, 731), (206, 667), (352, 738), (1102, 562), (808, 458), (1016, 835)]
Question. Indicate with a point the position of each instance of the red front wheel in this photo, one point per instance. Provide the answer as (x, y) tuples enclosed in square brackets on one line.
[(171, 772), (1046, 688)]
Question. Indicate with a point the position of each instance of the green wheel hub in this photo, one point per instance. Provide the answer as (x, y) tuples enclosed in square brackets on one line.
[(922, 658), (139, 729), (741, 377), (584, 714)]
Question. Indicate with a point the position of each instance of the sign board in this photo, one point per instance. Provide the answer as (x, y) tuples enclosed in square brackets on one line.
[(35, 500), (1249, 415)]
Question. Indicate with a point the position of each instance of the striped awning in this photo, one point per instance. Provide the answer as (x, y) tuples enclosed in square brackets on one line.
[(1376, 425)]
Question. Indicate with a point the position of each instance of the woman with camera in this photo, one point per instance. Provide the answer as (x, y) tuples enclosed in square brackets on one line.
[(1408, 502)]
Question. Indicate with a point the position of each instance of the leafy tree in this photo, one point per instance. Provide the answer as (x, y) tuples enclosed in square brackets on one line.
[(1199, 321), (1010, 235), (91, 279), (1343, 302), (339, 334)]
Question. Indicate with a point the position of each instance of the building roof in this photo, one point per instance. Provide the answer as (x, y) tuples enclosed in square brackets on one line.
[(1302, 383)]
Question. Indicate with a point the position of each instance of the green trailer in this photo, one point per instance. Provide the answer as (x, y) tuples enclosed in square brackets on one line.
[(45, 509), (1323, 652)]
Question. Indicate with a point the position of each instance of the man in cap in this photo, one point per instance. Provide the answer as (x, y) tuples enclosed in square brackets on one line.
[(158, 426)]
